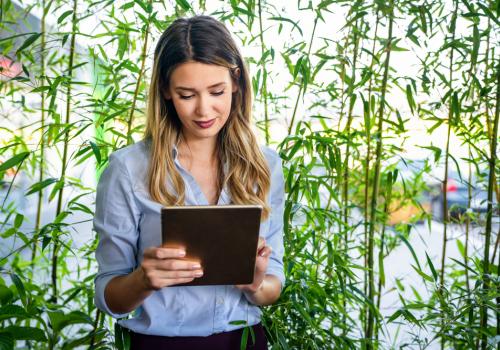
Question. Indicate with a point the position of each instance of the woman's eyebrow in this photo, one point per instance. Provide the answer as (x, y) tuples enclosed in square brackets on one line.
[(191, 89)]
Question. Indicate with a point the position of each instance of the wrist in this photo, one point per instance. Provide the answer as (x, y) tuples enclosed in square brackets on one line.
[(254, 289), (141, 282)]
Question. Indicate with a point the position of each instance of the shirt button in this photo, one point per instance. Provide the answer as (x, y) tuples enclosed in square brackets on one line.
[(220, 301)]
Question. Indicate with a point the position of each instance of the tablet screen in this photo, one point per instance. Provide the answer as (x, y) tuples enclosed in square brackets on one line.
[(223, 238)]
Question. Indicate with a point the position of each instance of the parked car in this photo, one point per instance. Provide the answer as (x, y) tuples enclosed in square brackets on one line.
[(457, 197)]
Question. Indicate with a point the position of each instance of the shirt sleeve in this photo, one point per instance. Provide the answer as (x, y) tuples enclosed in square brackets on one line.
[(274, 237), (116, 221)]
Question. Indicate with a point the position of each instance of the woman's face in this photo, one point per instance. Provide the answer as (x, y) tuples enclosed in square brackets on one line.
[(201, 94)]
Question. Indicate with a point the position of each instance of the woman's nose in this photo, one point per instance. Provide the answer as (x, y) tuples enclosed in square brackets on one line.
[(202, 107)]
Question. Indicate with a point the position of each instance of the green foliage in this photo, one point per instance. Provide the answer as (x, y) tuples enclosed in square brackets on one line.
[(348, 113)]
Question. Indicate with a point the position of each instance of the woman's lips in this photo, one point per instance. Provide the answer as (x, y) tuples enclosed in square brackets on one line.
[(205, 124)]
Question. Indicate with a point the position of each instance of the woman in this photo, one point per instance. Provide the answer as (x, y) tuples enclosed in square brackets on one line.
[(198, 149)]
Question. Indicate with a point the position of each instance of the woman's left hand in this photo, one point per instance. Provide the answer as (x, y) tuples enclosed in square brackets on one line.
[(262, 259)]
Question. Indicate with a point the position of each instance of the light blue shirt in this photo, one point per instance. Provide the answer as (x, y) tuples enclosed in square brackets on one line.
[(127, 221)]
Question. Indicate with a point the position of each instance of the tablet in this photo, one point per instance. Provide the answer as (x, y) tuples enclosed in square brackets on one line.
[(223, 238)]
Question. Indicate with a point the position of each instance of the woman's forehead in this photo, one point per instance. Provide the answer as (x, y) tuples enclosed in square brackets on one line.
[(198, 76)]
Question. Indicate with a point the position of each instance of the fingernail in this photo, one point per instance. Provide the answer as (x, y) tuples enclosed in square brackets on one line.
[(197, 266), (198, 274), (182, 253)]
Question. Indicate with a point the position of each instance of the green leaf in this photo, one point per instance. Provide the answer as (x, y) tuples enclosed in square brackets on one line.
[(17, 159), (12, 311), (63, 16), (97, 152), (423, 274), (6, 341), (405, 241), (461, 248), (18, 221), (40, 185), (238, 322), (409, 97), (184, 4), (475, 44), (431, 266), (145, 6), (283, 19), (59, 320), (244, 339), (55, 189), (423, 22), (6, 294), (28, 41), (26, 333), (455, 109), (9, 232), (127, 6), (20, 288), (41, 88)]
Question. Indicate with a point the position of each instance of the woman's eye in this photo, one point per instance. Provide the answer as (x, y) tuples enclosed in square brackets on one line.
[(185, 97), (218, 93)]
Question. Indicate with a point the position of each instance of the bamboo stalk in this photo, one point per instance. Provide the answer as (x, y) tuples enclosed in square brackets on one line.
[(381, 253), (65, 150), (264, 76), (373, 204), (290, 127), (367, 179), (138, 83), (467, 227), (42, 145), (98, 315), (498, 295), (347, 131), (489, 217), (445, 180)]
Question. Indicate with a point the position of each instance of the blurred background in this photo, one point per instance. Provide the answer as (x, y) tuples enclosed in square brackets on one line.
[(385, 114)]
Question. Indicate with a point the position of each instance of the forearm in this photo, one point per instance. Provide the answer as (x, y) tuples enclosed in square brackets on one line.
[(268, 293), (125, 293)]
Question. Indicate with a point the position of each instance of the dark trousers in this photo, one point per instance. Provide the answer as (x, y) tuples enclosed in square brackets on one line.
[(220, 341)]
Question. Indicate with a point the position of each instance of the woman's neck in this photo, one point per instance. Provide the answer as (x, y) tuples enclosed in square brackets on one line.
[(199, 150)]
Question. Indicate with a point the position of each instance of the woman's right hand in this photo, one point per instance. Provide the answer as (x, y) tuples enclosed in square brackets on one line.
[(163, 267)]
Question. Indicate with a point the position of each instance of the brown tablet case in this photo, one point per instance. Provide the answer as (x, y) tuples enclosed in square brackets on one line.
[(223, 238)]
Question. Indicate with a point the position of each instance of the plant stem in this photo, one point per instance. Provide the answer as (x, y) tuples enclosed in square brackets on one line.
[(138, 83), (367, 177), (347, 131), (373, 204), (42, 145), (65, 151), (489, 217), (264, 76), (445, 180), (95, 328), (290, 127)]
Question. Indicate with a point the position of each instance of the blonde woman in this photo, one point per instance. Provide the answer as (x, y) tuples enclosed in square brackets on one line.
[(199, 149)]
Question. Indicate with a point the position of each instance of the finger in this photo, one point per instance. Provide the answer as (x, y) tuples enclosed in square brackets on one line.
[(266, 251), (175, 265), (163, 253), (262, 243), (174, 275), (179, 281)]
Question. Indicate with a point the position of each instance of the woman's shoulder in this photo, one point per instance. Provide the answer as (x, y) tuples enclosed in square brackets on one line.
[(132, 159), (272, 156)]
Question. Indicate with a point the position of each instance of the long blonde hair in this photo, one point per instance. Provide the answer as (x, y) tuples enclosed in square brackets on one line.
[(206, 40)]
